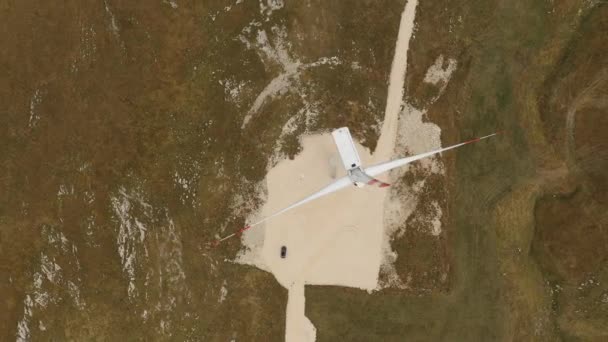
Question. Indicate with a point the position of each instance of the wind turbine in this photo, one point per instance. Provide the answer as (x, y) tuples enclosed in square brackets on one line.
[(356, 174)]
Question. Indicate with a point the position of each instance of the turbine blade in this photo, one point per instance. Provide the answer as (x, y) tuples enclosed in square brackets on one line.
[(328, 189), (384, 167), (380, 183)]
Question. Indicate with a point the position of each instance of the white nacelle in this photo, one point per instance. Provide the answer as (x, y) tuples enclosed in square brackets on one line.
[(346, 148)]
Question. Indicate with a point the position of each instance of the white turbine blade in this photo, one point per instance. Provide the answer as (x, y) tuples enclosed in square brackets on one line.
[(383, 167), (332, 187)]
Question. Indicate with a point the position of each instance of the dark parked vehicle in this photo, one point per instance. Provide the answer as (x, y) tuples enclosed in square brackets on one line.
[(283, 252)]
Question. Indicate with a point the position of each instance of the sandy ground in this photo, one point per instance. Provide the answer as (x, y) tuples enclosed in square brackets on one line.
[(335, 240), (338, 239)]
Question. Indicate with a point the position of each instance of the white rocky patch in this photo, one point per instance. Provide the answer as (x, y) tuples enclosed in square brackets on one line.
[(223, 292), (90, 231), (65, 190), (34, 103), (171, 3), (415, 135), (114, 25), (436, 219), (172, 259), (276, 53), (149, 245), (87, 48), (131, 233), (439, 75), (23, 328), (50, 269), (169, 274), (226, 9), (233, 90), (269, 6), (49, 281), (418, 135), (186, 178), (74, 291)]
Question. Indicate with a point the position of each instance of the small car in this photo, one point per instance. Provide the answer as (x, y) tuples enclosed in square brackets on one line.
[(283, 252)]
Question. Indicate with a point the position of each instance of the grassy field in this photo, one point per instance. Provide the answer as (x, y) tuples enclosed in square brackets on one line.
[(504, 239), (122, 154)]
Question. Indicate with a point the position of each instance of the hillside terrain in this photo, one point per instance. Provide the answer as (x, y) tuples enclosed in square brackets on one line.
[(134, 134)]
